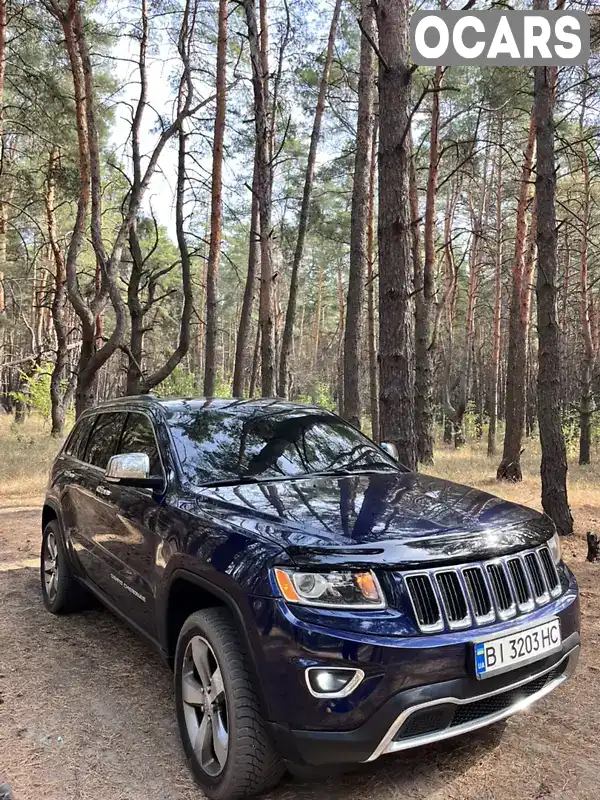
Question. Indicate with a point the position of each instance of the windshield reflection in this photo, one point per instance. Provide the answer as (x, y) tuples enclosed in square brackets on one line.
[(216, 445)]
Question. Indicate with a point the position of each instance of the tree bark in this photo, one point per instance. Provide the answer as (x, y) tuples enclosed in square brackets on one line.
[(359, 230), (3, 207), (554, 456), (216, 213), (61, 384), (426, 290), (371, 328), (510, 466), (586, 403), (241, 349), (264, 184), (290, 317), (396, 285), (497, 321)]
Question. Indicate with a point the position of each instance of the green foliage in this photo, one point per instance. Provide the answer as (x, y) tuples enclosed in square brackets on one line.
[(320, 395), (35, 395), (180, 383)]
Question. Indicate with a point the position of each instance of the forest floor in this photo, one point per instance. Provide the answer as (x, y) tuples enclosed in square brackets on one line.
[(86, 709)]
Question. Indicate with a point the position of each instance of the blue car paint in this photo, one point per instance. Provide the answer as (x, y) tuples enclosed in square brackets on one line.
[(228, 539)]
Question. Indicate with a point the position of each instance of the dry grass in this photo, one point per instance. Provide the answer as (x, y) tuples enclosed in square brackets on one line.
[(26, 452)]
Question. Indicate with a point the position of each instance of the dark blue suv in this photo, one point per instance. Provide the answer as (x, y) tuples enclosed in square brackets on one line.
[(319, 603)]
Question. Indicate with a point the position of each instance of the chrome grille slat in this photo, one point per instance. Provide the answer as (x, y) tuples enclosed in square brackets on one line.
[(549, 569), (521, 588), (424, 602), (479, 594), (537, 577), (451, 598)]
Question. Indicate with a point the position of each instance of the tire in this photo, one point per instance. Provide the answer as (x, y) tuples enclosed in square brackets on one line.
[(60, 591), (229, 749)]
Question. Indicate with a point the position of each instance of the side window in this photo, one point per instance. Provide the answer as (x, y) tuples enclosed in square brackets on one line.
[(104, 439), (78, 440), (138, 437)]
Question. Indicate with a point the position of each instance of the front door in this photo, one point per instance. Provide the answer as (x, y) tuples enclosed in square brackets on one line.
[(127, 544)]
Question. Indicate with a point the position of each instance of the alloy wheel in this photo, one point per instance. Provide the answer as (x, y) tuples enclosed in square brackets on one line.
[(205, 706), (51, 566)]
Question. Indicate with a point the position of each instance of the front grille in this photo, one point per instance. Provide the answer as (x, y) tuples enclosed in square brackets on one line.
[(550, 571), (427, 610), (478, 591), (500, 587), (539, 587), (453, 597), (450, 598), (520, 583), (440, 718)]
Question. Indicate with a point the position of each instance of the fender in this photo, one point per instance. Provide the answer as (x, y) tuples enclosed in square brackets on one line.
[(245, 624)]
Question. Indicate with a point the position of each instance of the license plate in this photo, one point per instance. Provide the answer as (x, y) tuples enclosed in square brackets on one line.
[(516, 649)]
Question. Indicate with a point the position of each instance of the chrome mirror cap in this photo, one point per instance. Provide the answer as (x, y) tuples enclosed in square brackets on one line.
[(133, 466), (390, 449)]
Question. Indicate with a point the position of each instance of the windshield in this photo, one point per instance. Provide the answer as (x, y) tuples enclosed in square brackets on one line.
[(217, 446)]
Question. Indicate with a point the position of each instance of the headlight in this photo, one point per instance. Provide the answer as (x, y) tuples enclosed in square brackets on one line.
[(555, 548), (357, 590)]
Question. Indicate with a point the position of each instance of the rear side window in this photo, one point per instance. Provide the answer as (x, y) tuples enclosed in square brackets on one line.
[(138, 437), (79, 439), (104, 439)]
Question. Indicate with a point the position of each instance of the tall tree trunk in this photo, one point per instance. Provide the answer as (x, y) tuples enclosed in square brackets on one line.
[(61, 384), (255, 364), (478, 221), (396, 285), (3, 204), (264, 186), (510, 466), (317, 323), (241, 349), (554, 455), (497, 321), (359, 219), (216, 212), (341, 327), (290, 317), (448, 308), (426, 291), (371, 329), (586, 403)]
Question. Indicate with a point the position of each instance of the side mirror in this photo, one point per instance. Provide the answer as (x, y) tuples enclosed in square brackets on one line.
[(133, 469), (390, 449)]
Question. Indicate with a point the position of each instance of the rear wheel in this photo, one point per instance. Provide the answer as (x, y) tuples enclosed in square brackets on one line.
[(60, 591), (222, 730)]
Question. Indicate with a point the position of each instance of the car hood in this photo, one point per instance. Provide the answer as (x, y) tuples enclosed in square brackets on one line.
[(379, 519)]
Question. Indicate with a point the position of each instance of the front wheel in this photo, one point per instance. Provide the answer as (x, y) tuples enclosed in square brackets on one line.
[(223, 733)]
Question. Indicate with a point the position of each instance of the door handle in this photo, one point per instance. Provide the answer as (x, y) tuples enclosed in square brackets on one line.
[(102, 491)]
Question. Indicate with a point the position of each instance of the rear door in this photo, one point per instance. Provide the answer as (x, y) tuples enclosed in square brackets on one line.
[(128, 543), (70, 475)]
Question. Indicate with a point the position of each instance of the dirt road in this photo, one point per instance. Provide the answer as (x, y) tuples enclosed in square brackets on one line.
[(86, 712)]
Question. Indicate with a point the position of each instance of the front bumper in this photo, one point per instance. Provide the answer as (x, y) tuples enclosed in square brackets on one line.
[(429, 714), (416, 690)]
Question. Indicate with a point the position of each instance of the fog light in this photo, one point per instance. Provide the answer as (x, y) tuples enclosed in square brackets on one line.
[(334, 682)]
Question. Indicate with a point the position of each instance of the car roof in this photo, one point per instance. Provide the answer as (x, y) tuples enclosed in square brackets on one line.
[(173, 405)]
